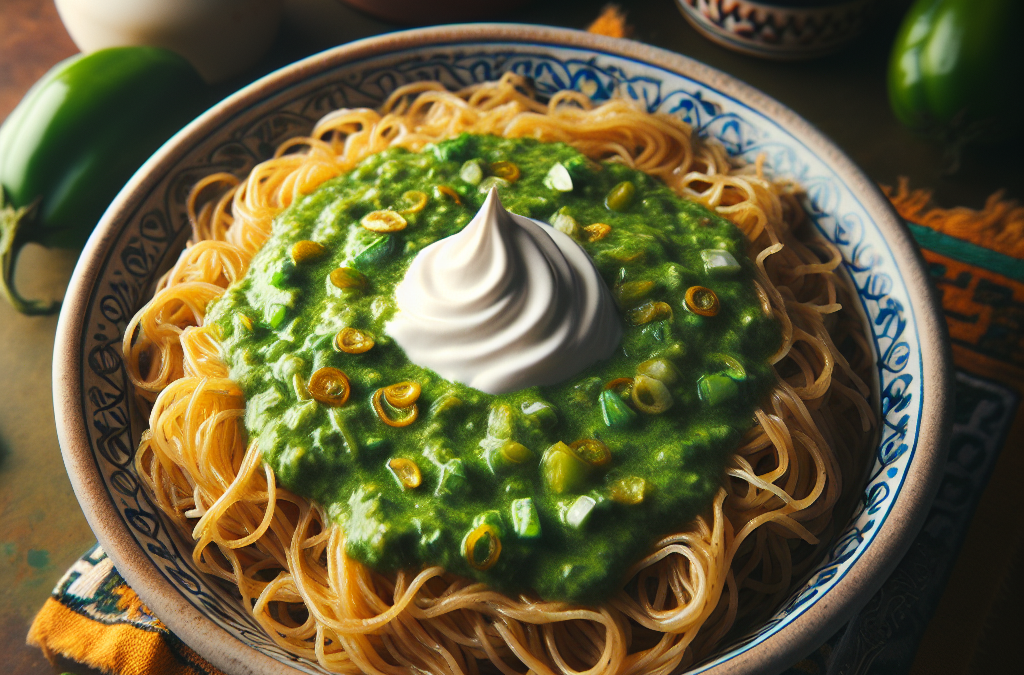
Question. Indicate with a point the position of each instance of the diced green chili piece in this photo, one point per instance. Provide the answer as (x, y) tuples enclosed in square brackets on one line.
[(561, 470), (525, 520), (278, 313), (621, 196), (282, 276), (717, 388), (471, 172), (381, 248), (614, 410), (558, 178)]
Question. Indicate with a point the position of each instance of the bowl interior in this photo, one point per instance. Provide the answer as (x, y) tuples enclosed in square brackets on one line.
[(146, 229)]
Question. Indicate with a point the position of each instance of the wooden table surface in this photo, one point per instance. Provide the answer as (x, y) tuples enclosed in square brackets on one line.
[(42, 529)]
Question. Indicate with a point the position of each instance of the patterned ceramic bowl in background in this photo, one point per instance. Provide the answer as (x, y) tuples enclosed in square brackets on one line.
[(146, 228), (779, 29)]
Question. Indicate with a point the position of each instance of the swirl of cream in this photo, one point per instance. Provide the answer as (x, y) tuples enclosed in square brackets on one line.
[(505, 304)]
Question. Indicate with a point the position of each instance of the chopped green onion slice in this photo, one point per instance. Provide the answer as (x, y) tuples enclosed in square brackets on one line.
[(659, 369), (650, 396), (558, 178), (732, 367)]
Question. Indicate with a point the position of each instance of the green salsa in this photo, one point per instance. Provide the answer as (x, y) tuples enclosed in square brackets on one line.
[(558, 489)]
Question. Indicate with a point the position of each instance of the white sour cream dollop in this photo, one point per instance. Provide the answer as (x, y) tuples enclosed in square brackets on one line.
[(505, 304)]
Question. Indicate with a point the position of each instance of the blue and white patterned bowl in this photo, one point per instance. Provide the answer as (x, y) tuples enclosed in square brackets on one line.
[(146, 227)]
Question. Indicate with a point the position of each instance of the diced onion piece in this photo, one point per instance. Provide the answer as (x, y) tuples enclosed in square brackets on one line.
[(307, 251), (566, 224), (525, 520), (701, 300), (719, 260), (492, 182), (630, 490), (412, 411), (330, 386), (445, 191), (416, 198), (580, 511), (651, 396), (621, 196), (558, 178), (348, 277), (597, 231), (650, 311), (407, 472), (383, 221), (506, 170), (471, 172), (353, 341), (402, 394), (483, 547), (592, 451)]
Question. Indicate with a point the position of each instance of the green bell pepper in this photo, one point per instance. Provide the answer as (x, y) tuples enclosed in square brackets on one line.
[(956, 68), (76, 138)]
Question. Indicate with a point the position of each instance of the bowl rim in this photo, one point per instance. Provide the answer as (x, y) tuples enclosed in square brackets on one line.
[(793, 641)]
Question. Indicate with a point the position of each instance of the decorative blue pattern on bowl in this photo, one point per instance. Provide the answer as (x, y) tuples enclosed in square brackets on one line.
[(151, 237)]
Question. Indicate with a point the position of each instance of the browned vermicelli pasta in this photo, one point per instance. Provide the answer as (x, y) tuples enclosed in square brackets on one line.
[(765, 529)]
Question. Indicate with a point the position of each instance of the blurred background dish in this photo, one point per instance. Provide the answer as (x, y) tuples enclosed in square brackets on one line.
[(221, 38), (417, 12), (779, 29)]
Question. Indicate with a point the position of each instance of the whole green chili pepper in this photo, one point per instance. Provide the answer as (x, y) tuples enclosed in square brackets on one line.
[(75, 139), (956, 69)]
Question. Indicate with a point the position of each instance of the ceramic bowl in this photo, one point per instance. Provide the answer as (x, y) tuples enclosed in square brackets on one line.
[(145, 229), (779, 29)]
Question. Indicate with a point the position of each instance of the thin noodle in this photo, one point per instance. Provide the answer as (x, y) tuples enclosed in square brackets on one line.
[(720, 573)]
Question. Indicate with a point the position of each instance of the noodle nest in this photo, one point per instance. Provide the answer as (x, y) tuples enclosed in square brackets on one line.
[(723, 572)]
